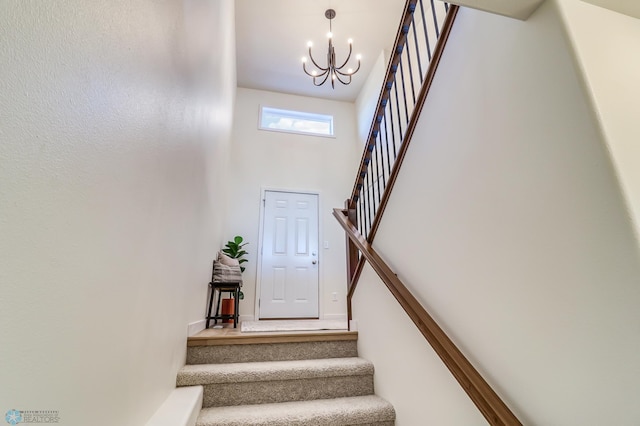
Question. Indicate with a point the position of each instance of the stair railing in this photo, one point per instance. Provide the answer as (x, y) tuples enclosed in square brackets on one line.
[(420, 41), (424, 28), (409, 75)]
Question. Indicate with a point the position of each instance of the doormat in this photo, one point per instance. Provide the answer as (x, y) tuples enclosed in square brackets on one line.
[(293, 325)]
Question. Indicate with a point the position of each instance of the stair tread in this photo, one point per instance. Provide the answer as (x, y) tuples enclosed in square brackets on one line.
[(214, 337), (338, 411), (202, 374)]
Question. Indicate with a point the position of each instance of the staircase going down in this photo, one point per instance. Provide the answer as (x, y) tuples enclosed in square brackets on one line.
[(293, 379)]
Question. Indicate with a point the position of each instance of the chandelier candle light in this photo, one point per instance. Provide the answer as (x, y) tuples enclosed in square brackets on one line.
[(322, 74)]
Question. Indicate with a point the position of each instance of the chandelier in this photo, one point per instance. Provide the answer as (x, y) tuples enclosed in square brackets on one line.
[(332, 71)]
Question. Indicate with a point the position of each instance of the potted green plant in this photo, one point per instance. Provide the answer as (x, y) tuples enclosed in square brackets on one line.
[(234, 249)]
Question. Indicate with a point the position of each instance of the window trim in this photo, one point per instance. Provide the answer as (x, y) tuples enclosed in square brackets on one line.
[(288, 113)]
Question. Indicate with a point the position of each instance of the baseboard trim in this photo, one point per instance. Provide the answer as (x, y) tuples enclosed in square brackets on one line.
[(336, 317), (246, 318), (181, 408), (196, 327), (353, 325)]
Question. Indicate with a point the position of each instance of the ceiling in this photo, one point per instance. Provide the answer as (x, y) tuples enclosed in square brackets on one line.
[(627, 7), (272, 36)]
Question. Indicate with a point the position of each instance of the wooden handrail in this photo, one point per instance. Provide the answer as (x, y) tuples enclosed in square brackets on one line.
[(483, 396)]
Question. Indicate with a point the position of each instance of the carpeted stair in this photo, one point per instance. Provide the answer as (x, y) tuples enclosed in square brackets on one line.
[(293, 380)]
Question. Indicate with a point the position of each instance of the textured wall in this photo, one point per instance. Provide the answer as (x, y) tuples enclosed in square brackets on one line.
[(276, 160), (114, 128), (508, 223)]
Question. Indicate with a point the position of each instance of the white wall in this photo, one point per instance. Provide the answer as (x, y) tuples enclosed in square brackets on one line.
[(508, 224), (409, 374), (274, 160), (367, 100), (605, 43), (115, 121)]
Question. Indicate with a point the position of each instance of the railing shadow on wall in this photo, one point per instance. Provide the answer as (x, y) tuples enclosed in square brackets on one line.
[(424, 29)]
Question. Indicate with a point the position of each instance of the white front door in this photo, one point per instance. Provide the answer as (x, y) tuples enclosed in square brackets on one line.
[(289, 267)]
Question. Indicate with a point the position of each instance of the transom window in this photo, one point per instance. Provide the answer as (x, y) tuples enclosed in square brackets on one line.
[(282, 120)]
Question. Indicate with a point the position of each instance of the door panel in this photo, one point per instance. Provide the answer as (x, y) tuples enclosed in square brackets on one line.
[(289, 272)]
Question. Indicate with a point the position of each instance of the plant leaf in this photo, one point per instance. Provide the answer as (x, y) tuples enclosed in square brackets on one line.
[(238, 239)]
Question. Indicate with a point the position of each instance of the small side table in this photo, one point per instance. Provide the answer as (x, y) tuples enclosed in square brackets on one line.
[(233, 288)]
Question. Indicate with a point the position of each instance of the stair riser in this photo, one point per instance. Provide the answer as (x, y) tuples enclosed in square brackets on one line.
[(227, 394), (378, 424), (288, 423), (270, 352), (390, 423)]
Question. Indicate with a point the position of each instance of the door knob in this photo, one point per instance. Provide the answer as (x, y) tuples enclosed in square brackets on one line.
[(314, 261)]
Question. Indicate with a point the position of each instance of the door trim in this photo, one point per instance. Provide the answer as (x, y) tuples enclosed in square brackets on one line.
[(263, 191)]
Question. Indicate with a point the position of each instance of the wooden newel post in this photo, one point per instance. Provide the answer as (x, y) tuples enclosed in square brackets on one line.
[(352, 250), (352, 257)]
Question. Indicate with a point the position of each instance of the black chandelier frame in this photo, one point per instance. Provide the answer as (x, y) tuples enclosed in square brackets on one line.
[(322, 74)]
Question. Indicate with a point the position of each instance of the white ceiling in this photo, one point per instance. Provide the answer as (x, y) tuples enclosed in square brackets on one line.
[(518, 9), (272, 36), (627, 7)]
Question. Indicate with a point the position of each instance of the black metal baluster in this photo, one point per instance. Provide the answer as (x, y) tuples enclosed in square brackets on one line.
[(404, 93), (435, 20), (395, 88), (377, 176), (374, 206), (358, 204), (415, 40), (369, 201), (380, 151), (367, 206), (408, 50), (362, 223), (386, 135), (426, 33), (393, 131), (381, 172)]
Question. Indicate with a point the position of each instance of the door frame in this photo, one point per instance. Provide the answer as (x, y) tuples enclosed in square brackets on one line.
[(263, 191)]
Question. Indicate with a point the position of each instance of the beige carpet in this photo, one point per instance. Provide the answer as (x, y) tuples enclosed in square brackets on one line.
[(293, 325), (360, 410)]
